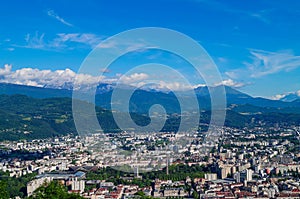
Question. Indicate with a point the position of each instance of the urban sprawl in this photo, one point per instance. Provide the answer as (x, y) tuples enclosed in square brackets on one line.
[(233, 163)]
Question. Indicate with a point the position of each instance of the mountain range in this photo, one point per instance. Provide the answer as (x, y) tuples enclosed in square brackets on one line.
[(28, 112), (142, 98)]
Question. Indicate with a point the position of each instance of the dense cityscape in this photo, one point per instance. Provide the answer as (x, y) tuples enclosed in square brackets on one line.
[(243, 163)]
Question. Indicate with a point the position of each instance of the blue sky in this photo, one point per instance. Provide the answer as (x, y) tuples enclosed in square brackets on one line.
[(255, 44)]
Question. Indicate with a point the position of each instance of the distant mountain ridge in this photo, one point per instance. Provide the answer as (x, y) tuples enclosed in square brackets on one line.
[(290, 97), (28, 112), (142, 100), (23, 117), (32, 91)]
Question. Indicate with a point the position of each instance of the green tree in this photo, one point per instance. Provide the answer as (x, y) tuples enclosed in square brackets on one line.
[(54, 190), (140, 193), (3, 190), (195, 195)]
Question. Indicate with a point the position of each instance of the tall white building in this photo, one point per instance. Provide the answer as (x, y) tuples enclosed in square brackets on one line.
[(78, 185), (249, 173), (242, 176), (237, 177), (210, 176)]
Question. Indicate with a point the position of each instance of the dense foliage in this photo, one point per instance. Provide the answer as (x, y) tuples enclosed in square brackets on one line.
[(176, 173), (3, 190), (23, 117), (13, 186), (53, 190)]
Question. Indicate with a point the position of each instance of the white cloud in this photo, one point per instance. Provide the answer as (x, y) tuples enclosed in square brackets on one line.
[(278, 97), (46, 78), (261, 15), (289, 95), (199, 85), (104, 70), (143, 80), (146, 81), (126, 44), (6, 70), (52, 14), (175, 86), (266, 63), (232, 74), (86, 38), (231, 83), (134, 78), (61, 41), (10, 49), (36, 41), (66, 78), (222, 59)]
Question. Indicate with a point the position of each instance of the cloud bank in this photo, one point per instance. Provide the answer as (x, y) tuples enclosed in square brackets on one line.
[(64, 79), (231, 83), (45, 78)]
